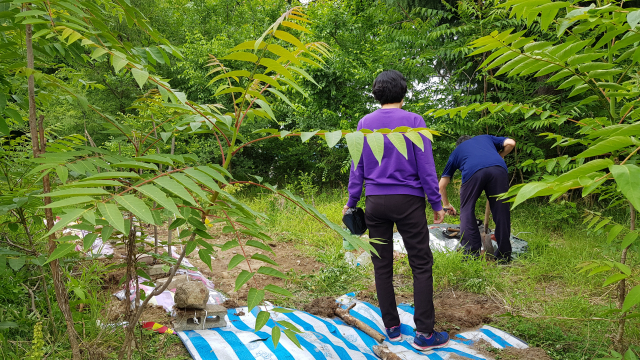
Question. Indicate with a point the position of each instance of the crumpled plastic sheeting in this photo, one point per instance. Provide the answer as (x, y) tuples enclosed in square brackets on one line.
[(97, 249), (438, 242)]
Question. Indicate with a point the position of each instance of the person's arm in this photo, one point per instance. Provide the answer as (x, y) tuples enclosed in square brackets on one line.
[(356, 180), (507, 147), (446, 205), (447, 174), (428, 177)]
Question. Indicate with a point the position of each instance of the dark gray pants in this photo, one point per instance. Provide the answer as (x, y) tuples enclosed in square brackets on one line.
[(408, 213), (493, 180)]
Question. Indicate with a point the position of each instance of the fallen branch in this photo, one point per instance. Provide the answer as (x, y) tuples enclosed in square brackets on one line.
[(350, 320), (383, 352)]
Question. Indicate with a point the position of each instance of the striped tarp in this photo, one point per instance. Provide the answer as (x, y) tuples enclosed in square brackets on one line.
[(326, 338)]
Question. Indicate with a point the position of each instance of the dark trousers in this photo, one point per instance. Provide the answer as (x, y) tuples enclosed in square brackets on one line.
[(408, 213), (493, 180)]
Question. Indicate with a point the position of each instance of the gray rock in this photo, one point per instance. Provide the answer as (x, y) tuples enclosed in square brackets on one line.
[(191, 295)]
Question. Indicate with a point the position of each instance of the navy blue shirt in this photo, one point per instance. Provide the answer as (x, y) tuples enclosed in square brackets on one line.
[(474, 154)]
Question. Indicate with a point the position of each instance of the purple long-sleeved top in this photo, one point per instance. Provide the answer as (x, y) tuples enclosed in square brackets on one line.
[(396, 175)]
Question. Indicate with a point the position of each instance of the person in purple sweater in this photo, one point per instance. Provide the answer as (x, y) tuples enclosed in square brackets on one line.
[(395, 194)]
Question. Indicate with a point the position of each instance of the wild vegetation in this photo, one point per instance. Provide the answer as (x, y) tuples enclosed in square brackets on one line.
[(179, 121)]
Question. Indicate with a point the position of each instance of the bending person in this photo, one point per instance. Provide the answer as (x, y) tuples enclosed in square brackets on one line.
[(395, 194), (481, 161)]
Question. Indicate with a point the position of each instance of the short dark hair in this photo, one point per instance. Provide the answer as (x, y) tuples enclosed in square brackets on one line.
[(389, 87), (462, 139)]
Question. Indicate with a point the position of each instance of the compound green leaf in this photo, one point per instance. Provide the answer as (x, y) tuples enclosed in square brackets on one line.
[(242, 56), (242, 279), (254, 298), (106, 232), (612, 144), (68, 202), (213, 173), (203, 179), (629, 239), (141, 76), (229, 245), (160, 197), (264, 258), (277, 290), (333, 137), (137, 207), (76, 192), (60, 251), (292, 336), (113, 175), (585, 169), (259, 245), (17, 263), (275, 336), (136, 165), (355, 143), (632, 299), (63, 173), (88, 240), (111, 213), (305, 136), (528, 191), (189, 184), (267, 270), (262, 319), (614, 279), (626, 177), (376, 143), (615, 230), (65, 219), (235, 260), (174, 187), (205, 256), (398, 141), (416, 139)]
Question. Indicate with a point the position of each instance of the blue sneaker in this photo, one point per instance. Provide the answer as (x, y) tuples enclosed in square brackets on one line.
[(434, 341), (394, 333)]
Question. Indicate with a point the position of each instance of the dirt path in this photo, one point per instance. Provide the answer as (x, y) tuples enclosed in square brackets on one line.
[(286, 255)]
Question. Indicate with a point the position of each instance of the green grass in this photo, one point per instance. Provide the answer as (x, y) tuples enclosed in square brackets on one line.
[(538, 290)]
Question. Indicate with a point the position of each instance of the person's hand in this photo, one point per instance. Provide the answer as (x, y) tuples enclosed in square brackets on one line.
[(344, 209), (450, 210), (438, 217)]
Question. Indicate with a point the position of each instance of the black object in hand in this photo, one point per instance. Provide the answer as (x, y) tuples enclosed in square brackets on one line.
[(354, 221)]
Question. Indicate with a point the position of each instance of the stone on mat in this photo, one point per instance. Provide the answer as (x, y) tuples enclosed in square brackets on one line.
[(175, 282), (157, 271), (191, 295)]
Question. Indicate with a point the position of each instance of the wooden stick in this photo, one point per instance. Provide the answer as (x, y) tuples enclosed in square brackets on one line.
[(384, 353), (350, 320)]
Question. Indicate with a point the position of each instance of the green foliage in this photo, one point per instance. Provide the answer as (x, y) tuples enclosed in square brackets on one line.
[(585, 60)]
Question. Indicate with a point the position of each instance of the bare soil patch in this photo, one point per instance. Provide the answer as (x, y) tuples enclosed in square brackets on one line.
[(156, 314), (458, 311), (323, 307), (510, 353), (284, 253)]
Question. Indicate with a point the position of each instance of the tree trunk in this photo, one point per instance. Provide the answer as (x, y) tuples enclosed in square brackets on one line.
[(622, 286), (169, 231), (157, 291), (38, 148)]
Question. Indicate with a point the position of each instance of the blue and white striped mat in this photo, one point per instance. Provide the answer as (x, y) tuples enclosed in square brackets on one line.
[(327, 338)]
